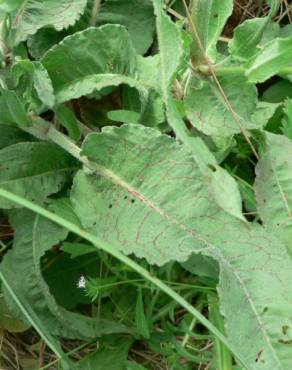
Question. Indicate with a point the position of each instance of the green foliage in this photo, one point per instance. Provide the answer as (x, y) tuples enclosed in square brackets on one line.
[(209, 18), (31, 15), (143, 152)]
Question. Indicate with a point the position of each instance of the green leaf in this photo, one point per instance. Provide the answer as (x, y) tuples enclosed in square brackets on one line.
[(67, 119), (8, 6), (113, 356), (209, 18), (103, 57), (136, 15), (170, 34), (33, 15), (273, 58), (142, 325), (10, 135), (43, 40), (124, 116), (146, 211), (273, 187), (247, 37), (25, 172), (8, 321), (77, 249), (12, 109), (15, 283), (226, 193), (212, 116), (278, 92), (21, 266), (264, 112), (287, 120), (33, 83)]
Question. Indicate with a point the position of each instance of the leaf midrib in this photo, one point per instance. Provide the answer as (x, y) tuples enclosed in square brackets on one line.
[(136, 193)]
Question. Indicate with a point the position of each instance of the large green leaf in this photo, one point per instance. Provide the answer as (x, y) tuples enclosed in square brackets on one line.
[(34, 170), (209, 18), (35, 14), (35, 235), (141, 25), (273, 187), (93, 59), (136, 15), (273, 58), (207, 110), (152, 200)]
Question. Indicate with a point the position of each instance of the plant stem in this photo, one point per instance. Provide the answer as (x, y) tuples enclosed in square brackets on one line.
[(229, 70), (95, 12)]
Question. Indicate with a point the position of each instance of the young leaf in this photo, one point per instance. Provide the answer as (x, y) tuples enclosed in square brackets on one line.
[(35, 14), (212, 116), (34, 170), (209, 18), (106, 57), (21, 266), (274, 57), (136, 205), (273, 187)]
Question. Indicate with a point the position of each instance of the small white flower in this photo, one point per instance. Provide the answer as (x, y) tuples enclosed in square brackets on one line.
[(82, 282)]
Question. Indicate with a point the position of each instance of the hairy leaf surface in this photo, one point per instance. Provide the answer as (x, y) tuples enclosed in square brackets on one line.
[(273, 187), (35, 14), (207, 110), (106, 57), (136, 205), (270, 60)]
